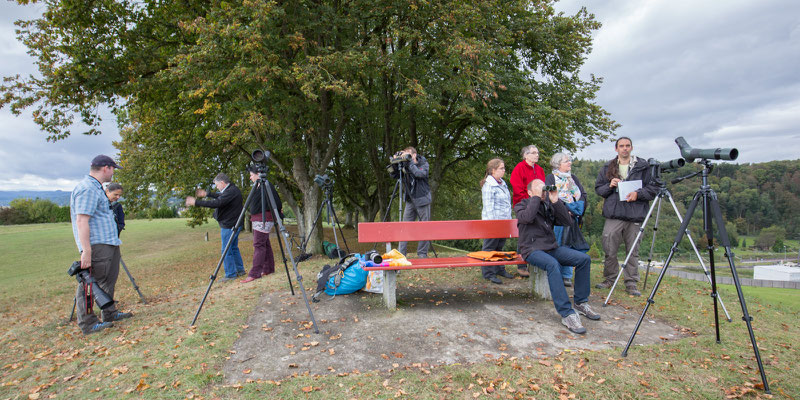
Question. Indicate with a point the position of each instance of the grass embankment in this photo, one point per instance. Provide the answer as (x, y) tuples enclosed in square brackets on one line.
[(156, 355)]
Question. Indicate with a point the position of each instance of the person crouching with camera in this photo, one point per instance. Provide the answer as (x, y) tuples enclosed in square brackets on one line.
[(536, 217), (96, 236), (413, 169)]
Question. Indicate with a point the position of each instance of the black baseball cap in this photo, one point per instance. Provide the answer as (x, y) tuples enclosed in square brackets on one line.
[(104, 161)]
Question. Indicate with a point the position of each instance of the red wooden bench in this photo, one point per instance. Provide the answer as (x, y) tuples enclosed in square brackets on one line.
[(388, 232)]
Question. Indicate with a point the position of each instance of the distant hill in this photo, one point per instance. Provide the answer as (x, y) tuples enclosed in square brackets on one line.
[(59, 197)]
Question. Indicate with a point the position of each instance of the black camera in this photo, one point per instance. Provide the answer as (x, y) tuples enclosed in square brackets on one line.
[(400, 157), (260, 156), (102, 298), (549, 188), (705, 154), (323, 181), (373, 256)]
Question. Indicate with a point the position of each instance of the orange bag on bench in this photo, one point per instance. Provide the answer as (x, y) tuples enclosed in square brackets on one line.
[(494, 255)]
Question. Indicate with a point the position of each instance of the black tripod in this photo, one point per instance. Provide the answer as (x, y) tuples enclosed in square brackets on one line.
[(327, 187), (663, 192), (711, 210), (261, 188), (133, 282)]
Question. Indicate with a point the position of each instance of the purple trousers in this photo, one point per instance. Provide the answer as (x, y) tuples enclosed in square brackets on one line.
[(263, 260)]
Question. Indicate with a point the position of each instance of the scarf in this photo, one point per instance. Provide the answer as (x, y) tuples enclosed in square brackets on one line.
[(568, 191)]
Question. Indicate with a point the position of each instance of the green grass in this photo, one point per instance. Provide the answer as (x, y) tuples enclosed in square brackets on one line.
[(156, 355)]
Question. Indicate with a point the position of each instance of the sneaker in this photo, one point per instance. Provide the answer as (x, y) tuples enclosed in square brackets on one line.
[(99, 327), (120, 315), (567, 282), (241, 273), (506, 274), (573, 323), (228, 278), (523, 273), (495, 279), (633, 291), (586, 311), (604, 285)]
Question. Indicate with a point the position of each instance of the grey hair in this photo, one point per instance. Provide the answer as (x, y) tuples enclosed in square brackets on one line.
[(221, 177), (113, 186), (557, 158), (527, 149)]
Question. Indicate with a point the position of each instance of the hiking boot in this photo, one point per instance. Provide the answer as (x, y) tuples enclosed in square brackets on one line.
[(567, 282), (573, 323), (633, 291), (119, 316), (495, 279), (523, 272), (586, 311), (604, 285), (506, 274), (98, 327)]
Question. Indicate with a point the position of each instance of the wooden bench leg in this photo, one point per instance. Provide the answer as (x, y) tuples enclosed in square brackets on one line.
[(390, 289), (539, 284)]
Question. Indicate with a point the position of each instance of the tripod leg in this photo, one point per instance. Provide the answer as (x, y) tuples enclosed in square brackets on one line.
[(213, 276), (699, 257), (630, 252), (133, 281), (723, 236), (262, 192), (72, 314), (652, 244), (678, 237), (285, 237), (338, 225), (311, 231)]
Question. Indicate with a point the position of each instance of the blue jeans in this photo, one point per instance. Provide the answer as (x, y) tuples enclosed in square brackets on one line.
[(233, 260), (551, 262), (566, 271)]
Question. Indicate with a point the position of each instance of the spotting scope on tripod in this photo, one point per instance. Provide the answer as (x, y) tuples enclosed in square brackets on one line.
[(712, 214)]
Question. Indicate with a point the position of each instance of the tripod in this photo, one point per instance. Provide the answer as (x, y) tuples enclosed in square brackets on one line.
[(133, 282), (663, 192), (327, 187), (261, 187), (711, 210)]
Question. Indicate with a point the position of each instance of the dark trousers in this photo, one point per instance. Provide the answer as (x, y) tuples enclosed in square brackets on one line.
[(489, 271), (105, 270), (551, 262), (412, 213), (263, 259)]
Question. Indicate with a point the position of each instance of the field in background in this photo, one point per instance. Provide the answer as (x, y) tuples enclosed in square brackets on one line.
[(157, 355)]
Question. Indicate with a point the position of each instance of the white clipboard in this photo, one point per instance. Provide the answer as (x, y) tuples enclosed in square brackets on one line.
[(625, 187)]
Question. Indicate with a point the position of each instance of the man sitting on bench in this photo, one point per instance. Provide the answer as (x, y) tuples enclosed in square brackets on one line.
[(536, 216)]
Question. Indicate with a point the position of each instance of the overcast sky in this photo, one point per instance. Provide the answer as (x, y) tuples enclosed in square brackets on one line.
[(720, 73)]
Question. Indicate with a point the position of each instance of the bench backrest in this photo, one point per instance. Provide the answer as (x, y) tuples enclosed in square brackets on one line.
[(371, 232)]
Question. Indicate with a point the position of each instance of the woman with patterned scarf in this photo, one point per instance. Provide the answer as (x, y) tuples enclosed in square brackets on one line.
[(571, 192)]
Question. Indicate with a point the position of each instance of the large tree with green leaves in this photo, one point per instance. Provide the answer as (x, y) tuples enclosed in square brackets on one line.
[(337, 85)]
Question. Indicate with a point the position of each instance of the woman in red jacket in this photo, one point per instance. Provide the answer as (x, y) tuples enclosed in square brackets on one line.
[(526, 171)]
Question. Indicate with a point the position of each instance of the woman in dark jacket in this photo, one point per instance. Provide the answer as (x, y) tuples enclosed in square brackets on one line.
[(571, 192), (263, 258)]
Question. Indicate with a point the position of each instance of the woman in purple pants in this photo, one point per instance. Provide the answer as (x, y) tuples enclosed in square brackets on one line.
[(263, 259)]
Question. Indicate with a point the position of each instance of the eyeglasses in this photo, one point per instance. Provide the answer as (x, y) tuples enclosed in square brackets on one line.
[(533, 152)]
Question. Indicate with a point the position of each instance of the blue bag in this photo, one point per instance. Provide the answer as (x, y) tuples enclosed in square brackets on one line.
[(349, 277)]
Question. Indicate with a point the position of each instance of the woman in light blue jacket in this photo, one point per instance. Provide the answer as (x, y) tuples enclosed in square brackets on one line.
[(496, 205)]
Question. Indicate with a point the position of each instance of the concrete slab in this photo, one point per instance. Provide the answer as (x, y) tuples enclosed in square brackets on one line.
[(438, 325)]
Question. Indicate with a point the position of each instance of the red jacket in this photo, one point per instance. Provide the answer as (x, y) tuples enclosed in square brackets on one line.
[(521, 176)]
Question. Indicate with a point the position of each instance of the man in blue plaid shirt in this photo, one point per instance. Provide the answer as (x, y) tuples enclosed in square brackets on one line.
[(95, 234)]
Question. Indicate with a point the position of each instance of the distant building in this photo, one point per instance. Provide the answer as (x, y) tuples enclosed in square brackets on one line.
[(777, 273)]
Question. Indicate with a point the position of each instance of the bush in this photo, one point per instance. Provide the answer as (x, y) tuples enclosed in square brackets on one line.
[(27, 211)]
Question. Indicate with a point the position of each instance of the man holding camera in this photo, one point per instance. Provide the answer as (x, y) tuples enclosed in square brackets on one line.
[(227, 205), (536, 216), (96, 236), (414, 172), (623, 217)]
